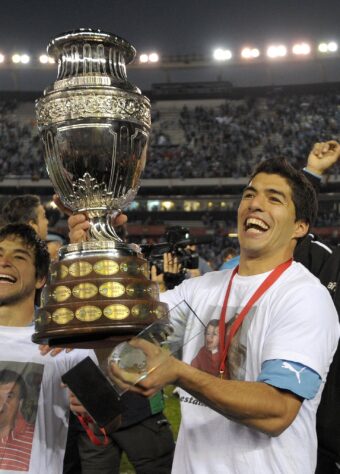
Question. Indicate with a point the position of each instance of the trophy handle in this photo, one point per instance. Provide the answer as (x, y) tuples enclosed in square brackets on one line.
[(101, 228)]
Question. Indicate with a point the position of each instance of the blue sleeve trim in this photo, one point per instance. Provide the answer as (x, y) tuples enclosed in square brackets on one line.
[(292, 376)]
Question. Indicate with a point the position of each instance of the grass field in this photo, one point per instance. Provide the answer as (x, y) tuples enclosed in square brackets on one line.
[(172, 412)]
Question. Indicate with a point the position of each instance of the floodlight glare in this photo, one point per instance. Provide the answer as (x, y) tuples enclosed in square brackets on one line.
[(249, 53), (323, 47), (301, 49), (52, 61), (16, 58), (332, 47), (282, 51), (276, 51), (246, 53), (153, 57), (43, 58), (25, 59), (272, 52), (143, 58), (2, 58), (222, 54)]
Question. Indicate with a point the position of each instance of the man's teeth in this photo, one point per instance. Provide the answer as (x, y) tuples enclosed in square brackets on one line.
[(256, 224), (7, 278)]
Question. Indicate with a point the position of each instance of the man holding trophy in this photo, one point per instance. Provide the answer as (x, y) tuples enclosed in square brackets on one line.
[(279, 332), (278, 327)]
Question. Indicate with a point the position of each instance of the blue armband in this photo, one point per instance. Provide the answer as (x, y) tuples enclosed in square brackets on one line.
[(292, 376)]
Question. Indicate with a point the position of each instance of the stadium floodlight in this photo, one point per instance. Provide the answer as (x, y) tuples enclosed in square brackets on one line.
[(144, 58), (323, 47), (221, 54), (276, 51), (245, 53), (330, 47), (250, 53), (153, 57), (25, 59), (16, 58), (2, 58), (43, 59), (301, 49)]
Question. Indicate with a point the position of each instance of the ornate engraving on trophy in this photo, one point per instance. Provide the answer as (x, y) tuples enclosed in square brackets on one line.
[(119, 107)]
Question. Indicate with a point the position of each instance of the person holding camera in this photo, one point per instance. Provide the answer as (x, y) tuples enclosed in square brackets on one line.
[(180, 262)]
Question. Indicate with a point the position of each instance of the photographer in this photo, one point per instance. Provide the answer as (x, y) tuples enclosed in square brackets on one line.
[(182, 261)]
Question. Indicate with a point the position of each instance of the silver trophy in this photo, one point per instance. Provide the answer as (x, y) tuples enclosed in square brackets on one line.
[(95, 126)]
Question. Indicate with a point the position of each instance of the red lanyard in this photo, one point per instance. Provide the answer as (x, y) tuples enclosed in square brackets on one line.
[(85, 421), (267, 283)]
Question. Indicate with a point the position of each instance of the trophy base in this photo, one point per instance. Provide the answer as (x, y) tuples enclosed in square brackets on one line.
[(98, 295), (88, 338)]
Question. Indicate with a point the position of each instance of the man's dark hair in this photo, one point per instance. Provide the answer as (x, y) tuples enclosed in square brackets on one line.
[(29, 238), (303, 194), (21, 209), (9, 376)]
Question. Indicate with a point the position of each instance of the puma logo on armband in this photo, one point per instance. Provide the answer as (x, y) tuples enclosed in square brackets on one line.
[(287, 365)]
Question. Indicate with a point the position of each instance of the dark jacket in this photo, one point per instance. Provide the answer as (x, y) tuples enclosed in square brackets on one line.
[(324, 262)]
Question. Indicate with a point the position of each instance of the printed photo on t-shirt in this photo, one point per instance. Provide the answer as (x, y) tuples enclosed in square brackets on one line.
[(208, 358), (20, 384)]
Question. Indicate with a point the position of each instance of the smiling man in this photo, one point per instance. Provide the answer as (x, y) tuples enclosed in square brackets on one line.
[(33, 405), (278, 330)]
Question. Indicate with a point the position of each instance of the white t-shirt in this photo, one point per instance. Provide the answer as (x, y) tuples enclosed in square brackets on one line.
[(37, 443), (294, 320)]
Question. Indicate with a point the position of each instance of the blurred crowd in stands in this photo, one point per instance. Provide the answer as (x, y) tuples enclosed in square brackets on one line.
[(226, 141), (20, 147)]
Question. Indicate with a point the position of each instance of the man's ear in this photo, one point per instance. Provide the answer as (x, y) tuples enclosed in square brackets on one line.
[(40, 282), (301, 229), (33, 224)]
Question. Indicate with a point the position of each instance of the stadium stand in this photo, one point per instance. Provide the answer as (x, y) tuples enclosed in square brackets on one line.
[(201, 149)]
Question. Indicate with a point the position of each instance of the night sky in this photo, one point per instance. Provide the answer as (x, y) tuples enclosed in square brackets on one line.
[(177, 26), (174, 27)]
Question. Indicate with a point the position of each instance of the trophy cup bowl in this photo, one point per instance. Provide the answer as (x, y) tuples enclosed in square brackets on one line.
[(95, 126)]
